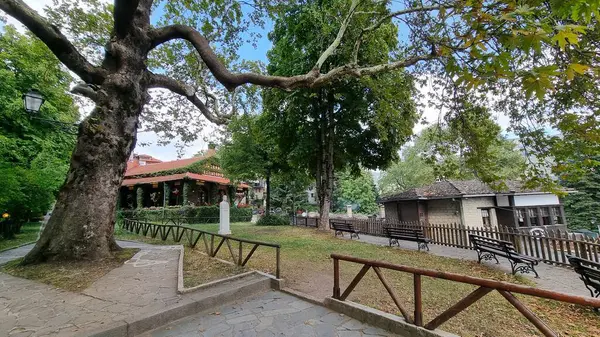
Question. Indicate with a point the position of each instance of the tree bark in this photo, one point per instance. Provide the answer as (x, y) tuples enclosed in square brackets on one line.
[(82, 224), (325, 167)]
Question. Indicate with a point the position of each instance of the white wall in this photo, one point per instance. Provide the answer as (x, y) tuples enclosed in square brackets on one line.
[(536, 199), (502, 200)]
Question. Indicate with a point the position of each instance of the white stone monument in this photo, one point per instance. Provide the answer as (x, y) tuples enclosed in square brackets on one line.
[(349, 210), (224, 217)]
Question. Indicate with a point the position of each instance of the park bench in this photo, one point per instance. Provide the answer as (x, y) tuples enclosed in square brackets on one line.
[(589, 273), (488, 248), (407, 234), (340, 228)]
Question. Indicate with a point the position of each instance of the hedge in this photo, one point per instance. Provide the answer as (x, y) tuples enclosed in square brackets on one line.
[(273, 220), (208, 214)]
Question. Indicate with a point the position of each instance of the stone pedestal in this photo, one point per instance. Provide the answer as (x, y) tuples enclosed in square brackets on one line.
[(349, 210), (224, 217)]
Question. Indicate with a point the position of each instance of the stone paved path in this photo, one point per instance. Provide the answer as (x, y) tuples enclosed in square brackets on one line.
[(270, 314), (145, 284), (551, 277)]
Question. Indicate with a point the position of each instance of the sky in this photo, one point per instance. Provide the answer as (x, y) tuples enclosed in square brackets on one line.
[(248, 52)]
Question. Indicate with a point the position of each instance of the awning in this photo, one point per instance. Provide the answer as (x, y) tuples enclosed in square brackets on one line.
[(180, 176)]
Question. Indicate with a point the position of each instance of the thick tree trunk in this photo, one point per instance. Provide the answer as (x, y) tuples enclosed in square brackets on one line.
[(82, 223), (325, 168)]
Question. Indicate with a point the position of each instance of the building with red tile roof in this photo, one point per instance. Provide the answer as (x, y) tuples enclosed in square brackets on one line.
[(193, 181)]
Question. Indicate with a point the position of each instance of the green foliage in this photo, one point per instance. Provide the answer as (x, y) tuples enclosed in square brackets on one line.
[(441, 152), (288, 191), (351, 124), (273, 220), (356, 190), (582, 208), (203, 214), (34, 155), (248, 154)]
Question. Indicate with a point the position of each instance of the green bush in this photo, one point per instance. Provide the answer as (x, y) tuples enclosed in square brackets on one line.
[(273, 220), (209, 214)]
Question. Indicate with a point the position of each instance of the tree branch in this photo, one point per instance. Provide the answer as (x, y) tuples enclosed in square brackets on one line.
[(232, 80), (338, 39), (165, 82), (85, 90), (123, 15), (55, 40)]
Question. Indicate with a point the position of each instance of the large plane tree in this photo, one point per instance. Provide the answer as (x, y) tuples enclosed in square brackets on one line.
[(477, 44)]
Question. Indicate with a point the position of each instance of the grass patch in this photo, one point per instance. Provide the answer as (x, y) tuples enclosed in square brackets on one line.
[(29, 233), (72, 275), (198, 268), (307, 267)]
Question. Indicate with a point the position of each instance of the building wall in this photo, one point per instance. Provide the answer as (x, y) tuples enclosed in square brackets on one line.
[(472, 211), (408, 211), (391, 212), (536, 200), (443, 211)]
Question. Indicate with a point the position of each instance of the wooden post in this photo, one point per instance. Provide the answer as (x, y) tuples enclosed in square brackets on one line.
[(539, 324), (418, 301), (278, 260), (336, 279)]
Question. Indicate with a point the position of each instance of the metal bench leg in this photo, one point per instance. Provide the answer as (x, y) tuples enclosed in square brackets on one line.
[(526, 268), (423, 245)]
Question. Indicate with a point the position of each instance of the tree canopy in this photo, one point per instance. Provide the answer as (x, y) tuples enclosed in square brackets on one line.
[(34, 154), (359, 191), (439, 153)]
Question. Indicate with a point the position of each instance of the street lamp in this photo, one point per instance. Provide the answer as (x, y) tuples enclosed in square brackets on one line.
[(33, 101)]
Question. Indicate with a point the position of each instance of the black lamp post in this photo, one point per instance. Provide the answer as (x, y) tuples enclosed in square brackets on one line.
[(33, 101)]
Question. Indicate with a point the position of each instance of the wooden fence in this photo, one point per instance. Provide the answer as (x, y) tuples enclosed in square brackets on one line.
[(506, 289), (552, 248)]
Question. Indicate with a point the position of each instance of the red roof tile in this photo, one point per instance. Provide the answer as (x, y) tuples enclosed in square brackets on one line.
[(164, 166)]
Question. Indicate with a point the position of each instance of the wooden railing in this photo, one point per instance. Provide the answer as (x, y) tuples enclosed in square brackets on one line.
[(192, 236), (485, 286), (552, 248)]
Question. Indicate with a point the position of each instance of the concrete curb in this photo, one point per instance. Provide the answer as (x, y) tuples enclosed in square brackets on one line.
[(382, 319), (276, 284), (136, 325), (303, 296), (19, 246)]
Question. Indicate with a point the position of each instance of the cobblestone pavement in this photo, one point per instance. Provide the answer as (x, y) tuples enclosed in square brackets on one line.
[(551, 277), (270, 314), (144, 284)]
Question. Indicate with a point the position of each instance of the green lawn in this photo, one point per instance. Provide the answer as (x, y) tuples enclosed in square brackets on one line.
[(29, 233), (307, 267)]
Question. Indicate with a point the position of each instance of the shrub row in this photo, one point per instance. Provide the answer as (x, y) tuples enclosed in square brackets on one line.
[(209, 213), (273, 220)]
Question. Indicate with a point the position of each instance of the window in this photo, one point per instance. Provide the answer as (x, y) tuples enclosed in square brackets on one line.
[(312, 195), (521, 217), (545, 216), (533, 213), (556, 214), (485, 216)]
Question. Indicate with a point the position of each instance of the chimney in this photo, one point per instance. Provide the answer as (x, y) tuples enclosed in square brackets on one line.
[(211, 150)]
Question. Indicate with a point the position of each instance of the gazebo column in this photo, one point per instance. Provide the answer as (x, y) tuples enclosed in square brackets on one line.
[(139, 197), (167, 193), (186, 192)]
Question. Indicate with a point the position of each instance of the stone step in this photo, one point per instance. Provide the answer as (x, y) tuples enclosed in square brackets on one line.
[(192, 303)]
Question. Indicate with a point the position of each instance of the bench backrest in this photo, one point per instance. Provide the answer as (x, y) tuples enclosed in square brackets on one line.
[(341, 225), (585, 268), (404, 231), (485, 242)]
